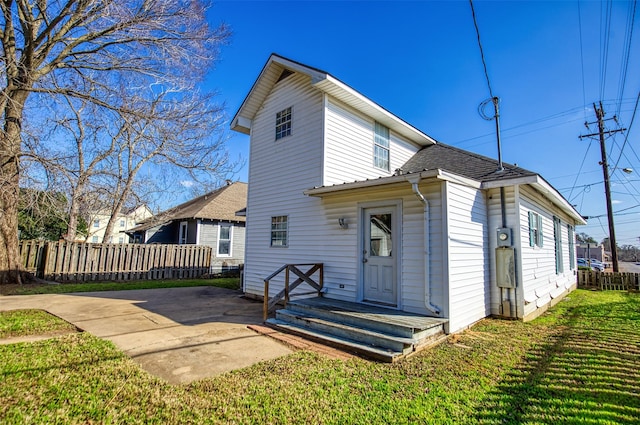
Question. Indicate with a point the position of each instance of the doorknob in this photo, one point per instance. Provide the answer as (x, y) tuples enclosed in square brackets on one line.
[(364, 260)]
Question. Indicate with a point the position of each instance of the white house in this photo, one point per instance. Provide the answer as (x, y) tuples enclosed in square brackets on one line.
[(97, 224), (398, 219)]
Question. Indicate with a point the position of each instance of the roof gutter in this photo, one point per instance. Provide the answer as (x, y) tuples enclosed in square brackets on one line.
[(325, 190)]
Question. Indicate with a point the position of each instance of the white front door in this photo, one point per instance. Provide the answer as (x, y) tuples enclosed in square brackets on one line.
[(379, 257)]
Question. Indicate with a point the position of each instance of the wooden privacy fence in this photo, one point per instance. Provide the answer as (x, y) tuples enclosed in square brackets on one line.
[(82, 262), (609, 281)]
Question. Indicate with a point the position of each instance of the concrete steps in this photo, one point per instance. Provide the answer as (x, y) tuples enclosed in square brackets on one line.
[(369, 331)]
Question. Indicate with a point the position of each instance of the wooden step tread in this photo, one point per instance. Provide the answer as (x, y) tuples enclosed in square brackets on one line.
[(366, 350)]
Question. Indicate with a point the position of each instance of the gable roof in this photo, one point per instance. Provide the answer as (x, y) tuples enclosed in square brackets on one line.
[(326, 83), (221, 204)]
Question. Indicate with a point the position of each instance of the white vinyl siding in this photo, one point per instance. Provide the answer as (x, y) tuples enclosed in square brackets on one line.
[(348, 152), (209, 233), (541, 280), (468, 256), (279, 173)]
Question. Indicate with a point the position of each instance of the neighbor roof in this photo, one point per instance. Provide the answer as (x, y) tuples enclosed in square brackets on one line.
[(221, 204)]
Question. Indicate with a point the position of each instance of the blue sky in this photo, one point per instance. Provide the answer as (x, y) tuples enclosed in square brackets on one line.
[(547, 61)]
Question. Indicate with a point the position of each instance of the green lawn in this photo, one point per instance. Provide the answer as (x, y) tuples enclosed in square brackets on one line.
[(31, 322), (579, 363)]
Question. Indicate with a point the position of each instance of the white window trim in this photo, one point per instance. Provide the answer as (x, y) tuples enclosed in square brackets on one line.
[(290, 121), (182, 235), (230, 254), (286, 245), (378, 145)]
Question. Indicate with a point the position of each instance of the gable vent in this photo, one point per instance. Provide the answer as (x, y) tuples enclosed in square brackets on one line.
[(285, 74)]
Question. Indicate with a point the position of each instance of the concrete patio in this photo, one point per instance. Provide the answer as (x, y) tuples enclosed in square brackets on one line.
[(178, 334)]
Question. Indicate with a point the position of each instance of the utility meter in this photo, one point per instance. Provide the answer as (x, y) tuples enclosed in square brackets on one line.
[(504, 236)]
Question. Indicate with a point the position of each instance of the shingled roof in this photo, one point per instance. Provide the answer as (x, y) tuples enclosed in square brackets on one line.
[(221, 204), (462, 163)]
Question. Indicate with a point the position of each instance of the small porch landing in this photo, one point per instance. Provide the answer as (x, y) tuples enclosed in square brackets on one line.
[(369, 331)]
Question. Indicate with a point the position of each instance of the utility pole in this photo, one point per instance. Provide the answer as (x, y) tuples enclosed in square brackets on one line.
[(605, 171)]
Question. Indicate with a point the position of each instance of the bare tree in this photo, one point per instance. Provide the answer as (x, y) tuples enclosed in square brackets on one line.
[(89, 50), (178, 131)]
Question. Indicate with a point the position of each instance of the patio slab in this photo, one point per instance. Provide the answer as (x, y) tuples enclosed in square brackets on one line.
[(177, 334)]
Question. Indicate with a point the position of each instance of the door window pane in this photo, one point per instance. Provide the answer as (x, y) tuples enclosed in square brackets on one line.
[(380, 243)]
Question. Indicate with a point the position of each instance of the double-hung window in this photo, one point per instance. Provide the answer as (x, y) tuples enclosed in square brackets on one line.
[(557, 236), (535, 229), (280, 231), (381, 147), (572, 249), (283, 123), (225, 231)]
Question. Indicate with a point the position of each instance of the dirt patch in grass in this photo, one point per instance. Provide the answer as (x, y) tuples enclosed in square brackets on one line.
[(13, 289)]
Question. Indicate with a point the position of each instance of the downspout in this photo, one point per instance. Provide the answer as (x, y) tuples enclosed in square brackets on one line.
[(414, 180)]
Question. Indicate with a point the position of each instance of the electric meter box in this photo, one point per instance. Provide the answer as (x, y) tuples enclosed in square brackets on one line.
[(504, 236), (505, 268)]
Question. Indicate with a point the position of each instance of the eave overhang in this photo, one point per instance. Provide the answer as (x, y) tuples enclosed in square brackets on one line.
[(542, 186), (369, 183)]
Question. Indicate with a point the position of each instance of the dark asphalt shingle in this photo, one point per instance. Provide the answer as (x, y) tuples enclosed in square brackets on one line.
[(463, 163)]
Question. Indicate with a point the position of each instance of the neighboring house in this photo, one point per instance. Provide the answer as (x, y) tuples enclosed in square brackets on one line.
[(210, 219), (397, 219), (126, 220)]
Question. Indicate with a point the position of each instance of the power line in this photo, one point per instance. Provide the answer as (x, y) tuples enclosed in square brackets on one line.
[(580, 169), (627, 52), (605, 49), (584, 95), (626, 136), (536, 121), (484, 63)]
